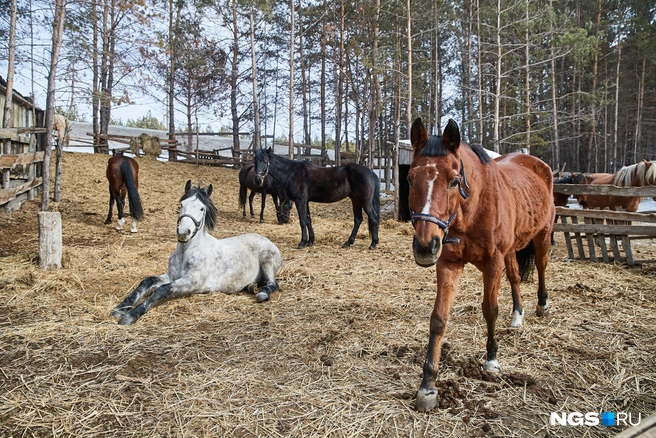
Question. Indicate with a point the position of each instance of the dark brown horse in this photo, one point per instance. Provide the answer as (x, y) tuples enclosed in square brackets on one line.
[(248, 180), (304, 183), (123, 177), (467, 208)]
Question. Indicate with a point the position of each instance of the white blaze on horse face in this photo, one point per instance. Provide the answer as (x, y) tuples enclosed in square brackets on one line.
[(429, 191)]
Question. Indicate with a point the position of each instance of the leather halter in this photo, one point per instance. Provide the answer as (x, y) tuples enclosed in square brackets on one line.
[(444, 225), (266, 171), (196, 223)]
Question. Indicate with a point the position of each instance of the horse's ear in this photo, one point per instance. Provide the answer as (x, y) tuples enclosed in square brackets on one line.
[(208, 190), (451, 136), (418, 135), (187, 186), (268, 151)]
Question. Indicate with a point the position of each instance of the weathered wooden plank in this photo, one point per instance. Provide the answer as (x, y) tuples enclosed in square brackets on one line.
[(604, 189), (643, 230), (602, 241), (11, 161), (591, 242), (607, 214), (579, 241), (568, 239), (7, 195)]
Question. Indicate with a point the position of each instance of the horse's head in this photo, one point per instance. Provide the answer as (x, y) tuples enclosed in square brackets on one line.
[(197, 211), (437, 185), (262, 162), (283, 211)]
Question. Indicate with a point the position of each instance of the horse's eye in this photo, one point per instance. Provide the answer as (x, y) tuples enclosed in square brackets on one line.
[(455, 182)]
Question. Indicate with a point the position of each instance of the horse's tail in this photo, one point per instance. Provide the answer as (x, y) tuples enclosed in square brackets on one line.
[(526, 261), (136, 210), (242, 192), (376, 201)]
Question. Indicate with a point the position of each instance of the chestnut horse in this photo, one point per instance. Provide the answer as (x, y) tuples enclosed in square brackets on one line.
[(467, 208), (627, 203), (123, 177)]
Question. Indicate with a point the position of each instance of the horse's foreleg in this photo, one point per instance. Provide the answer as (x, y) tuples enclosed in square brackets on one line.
[(250, 203), (491, 282), (372, 219), (303, 215), (448, 276), (512, 272), (179, 288), (147, 285), (309, 226), (262, 207), (357, 220)]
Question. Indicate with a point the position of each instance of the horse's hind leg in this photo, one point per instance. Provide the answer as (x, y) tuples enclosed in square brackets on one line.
[(267, 284), (120, 206), (542, 247), (148, 284), (372, 219), (357, 220), (512, 272), (111, 207)]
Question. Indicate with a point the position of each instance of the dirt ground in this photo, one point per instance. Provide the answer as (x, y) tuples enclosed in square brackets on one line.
[(337, 352)]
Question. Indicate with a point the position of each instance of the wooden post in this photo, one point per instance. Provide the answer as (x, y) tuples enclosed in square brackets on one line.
[(50, 240)]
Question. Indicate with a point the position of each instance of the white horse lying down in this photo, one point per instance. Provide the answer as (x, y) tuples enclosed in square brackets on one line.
[(202, 263)]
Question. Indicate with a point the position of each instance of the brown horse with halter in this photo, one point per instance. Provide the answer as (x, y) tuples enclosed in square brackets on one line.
[(467, 208), (123, 177)]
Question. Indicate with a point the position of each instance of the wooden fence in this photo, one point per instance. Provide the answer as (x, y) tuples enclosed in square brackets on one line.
[(23, 166), (605, 235)]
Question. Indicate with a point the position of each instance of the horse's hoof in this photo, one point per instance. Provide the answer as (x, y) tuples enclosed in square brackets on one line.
[(261, 297), (261, 221), (108, 221), (426, 399), (127, 319), (133, 230), (302, 245), (117, 313), (346, 245), (491, 366), (372, 246), (518, 319), (542, 311)]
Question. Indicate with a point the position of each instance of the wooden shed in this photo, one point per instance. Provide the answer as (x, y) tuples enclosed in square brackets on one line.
[(24, 156)]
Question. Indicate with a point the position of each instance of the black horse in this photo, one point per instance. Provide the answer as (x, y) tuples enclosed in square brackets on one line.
[(305, 182), (248, 180)]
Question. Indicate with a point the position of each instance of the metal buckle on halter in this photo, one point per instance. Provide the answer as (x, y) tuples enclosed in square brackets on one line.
[(439, 222), (463, 179)]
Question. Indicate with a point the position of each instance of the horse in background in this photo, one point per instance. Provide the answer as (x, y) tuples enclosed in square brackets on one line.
[(202, 263), (63, 128), (123, 176), (467, 208), (636, 175), (304, 183), (248, 180), (627, 203)]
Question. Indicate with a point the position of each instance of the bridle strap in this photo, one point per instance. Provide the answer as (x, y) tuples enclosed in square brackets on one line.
[(439, 222), (266, 171), (193, 219)]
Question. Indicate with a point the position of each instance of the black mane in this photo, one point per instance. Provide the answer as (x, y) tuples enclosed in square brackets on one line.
[(435, 147), (210, 208)]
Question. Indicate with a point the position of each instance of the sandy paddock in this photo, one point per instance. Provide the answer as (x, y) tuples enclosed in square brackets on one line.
[(337, 352)]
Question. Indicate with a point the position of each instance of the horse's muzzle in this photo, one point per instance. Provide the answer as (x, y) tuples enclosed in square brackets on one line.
[(427, 255), (183, 237), (259, 180)]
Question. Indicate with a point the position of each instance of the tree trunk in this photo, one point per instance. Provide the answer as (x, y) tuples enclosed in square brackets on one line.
[(409, 37), (9, 96), (617, 96), (291, 81), (323, 81), (50, 235), (304, 86), (256, 100), (58, 30), (641, 101), (554, 101), (497, 90), (234, 82)]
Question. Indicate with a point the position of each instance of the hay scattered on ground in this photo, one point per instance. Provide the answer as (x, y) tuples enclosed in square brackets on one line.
[(337, 352)]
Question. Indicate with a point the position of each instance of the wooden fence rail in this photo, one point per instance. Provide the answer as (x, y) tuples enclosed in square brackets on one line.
[(605, 235)]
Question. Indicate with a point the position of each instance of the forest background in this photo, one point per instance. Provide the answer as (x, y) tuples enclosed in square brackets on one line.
[(572, 81)]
